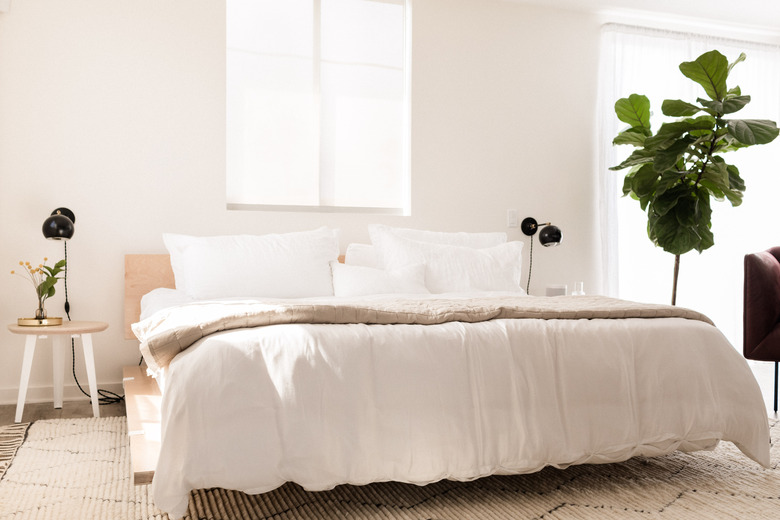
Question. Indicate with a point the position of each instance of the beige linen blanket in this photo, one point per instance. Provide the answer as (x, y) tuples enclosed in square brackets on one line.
[(172, 330)]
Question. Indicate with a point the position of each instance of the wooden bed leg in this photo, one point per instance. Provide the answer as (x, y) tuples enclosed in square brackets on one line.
[(142, 401), (776, 363)]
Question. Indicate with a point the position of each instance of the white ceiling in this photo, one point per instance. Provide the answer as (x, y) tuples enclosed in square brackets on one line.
[(763, 15)]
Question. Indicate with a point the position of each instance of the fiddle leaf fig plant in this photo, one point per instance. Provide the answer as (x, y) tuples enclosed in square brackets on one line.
[(675, 172)]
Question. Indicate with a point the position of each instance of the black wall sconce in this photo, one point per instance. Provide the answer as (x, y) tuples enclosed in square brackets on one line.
[(548, 236), (60, 226)]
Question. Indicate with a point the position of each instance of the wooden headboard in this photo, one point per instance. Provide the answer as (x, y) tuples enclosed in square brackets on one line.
[(142, 274)]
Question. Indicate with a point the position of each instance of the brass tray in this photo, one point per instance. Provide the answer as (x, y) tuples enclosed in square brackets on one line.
[(38, 322)]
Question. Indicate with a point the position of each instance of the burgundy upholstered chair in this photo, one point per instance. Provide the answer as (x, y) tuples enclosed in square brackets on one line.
[(761, 310)]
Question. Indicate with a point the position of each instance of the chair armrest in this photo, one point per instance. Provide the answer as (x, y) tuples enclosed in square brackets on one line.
[(761, 306)]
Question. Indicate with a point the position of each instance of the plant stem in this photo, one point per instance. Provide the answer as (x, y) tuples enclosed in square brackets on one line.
[(708, 156), (674, 283)]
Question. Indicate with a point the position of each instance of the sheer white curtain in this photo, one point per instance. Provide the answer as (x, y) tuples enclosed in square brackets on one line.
[(645, 61)]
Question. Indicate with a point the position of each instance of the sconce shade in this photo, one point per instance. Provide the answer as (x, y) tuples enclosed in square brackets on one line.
[(59, 226), (550, 236), (529, 226)]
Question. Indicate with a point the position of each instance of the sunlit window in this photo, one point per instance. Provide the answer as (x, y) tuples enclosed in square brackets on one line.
[(318, 105)]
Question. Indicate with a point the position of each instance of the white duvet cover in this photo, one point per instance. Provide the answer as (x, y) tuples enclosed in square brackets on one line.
[(323, 405)]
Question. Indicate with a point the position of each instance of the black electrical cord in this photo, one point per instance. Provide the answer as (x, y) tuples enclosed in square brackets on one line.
[(530, 265), (105, 396)]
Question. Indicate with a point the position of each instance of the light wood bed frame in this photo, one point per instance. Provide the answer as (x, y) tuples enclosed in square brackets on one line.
[(142, 394), (142, 274)]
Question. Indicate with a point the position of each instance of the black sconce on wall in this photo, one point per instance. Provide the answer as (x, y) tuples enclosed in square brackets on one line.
[(548, 236), (59, 226)]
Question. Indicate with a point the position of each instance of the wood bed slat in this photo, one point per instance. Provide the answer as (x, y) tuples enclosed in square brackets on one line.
[(142, 401)]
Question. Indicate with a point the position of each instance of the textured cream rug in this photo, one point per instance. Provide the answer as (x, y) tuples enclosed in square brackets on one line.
[(79, 469)]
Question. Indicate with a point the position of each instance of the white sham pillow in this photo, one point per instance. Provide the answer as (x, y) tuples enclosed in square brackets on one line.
[(161, 298), (287, 265), (378, 233), (451, 268), (361, 254), (460, 238), (358, 280)]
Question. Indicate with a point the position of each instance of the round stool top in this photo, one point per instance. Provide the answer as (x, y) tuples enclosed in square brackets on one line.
[(67, 327)]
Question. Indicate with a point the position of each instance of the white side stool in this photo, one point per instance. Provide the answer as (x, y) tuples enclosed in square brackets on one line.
[(73, 329)]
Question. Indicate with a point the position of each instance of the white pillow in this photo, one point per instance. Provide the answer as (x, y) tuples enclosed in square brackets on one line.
[(476, 240), (458, 269), (289, 265), (161, 298), (379, 232), (358, 280), (361, 254)]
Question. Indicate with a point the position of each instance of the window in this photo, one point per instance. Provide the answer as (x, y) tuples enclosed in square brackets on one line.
[(318, 105), (645, 61)]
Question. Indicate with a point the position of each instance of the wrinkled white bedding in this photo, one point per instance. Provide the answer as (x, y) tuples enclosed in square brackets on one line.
[(322, 405)]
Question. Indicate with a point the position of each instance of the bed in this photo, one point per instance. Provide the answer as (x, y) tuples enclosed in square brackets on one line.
[(390, 373)]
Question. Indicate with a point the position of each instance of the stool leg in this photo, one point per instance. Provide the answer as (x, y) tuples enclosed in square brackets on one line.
[(776, 363), (89, 361), (29, 352), (57, 366)]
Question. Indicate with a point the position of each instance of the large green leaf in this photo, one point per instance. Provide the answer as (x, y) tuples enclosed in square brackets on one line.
[(753, 131), (667, 158), (667, 233), (678, 128), (678, 108), (735, 104), (644, 181), (633, 136), (709, 70), (639, 156), (666, 201), (716, 172), (634, 110), (735, 180), (685, 225)]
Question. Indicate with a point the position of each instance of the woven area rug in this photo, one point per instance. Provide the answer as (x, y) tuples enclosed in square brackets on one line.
[(79, 469), (11, 438)]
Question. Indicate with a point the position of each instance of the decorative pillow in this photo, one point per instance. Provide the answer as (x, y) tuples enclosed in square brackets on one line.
[(361, 254), (289, 265), (477, 240), (358, 280), (457, 269), (378, 232)]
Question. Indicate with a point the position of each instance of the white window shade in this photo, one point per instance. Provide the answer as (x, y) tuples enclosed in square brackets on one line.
[(318, 105)]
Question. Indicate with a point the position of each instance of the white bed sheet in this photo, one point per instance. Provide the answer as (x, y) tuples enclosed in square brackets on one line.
[(323, 405)]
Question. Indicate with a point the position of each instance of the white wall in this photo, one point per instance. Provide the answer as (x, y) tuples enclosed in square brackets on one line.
[(116, 110)]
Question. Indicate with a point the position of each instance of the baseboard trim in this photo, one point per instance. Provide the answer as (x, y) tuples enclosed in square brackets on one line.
[(45, 394)]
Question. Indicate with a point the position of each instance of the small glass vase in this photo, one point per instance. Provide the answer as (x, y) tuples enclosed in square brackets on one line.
[(40, 320)]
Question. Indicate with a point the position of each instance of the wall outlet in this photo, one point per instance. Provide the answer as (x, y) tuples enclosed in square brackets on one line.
[(511, 218)]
